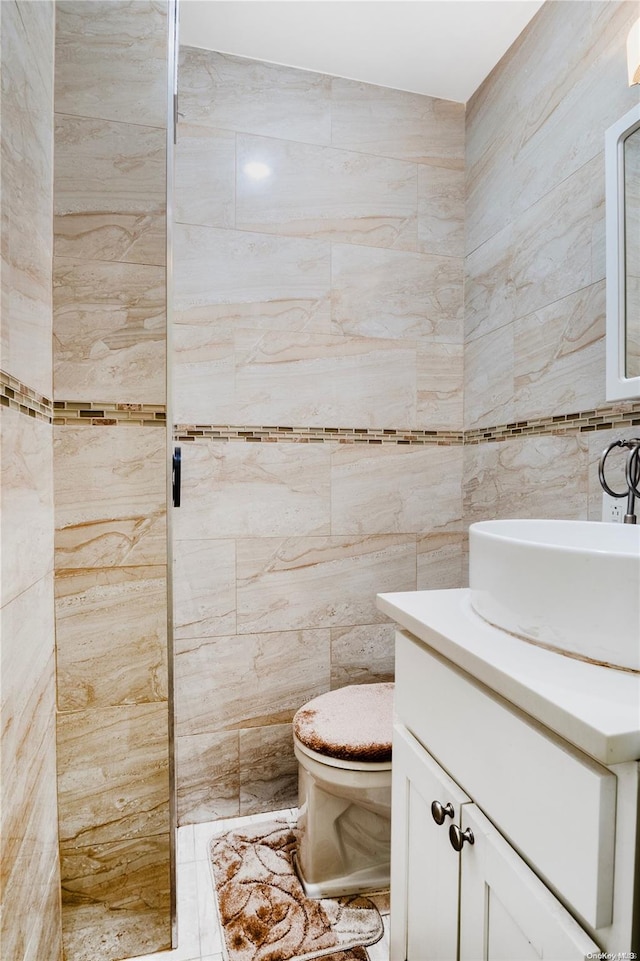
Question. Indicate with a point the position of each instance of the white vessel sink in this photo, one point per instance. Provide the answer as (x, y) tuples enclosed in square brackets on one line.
[(570, 585)]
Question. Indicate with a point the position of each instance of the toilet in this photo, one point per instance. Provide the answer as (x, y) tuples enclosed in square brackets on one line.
[(342, 741)]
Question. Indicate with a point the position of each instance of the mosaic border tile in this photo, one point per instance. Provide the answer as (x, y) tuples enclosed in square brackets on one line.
[(608, 417), (17, 396), (315, 435), (76, 412)]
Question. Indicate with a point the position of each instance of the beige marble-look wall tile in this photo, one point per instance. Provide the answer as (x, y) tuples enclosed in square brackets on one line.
[(632, 339), (515, 101), (205, 176), (440, 387), (111, 637), (29, 863), (489, 182), (111, 60), (488, 285), (493, 126), (47, 941), (441, 211), (109, 332), (539, 476), (324, 381), (30, 927), (268, 769), (38, 27), (250, 280), (396, 123), (552, 118), (121, 791), (46, 938), (396, 294), (29, 826), (253, 490), (489, 379), (552, 244), (207, 777), (524, 136), (362, 655), (33, 935), (559, 355), (326, 193), (110, 496), (632, 255), (598, 220), (27, 669), (301, 582), (250, 680), (116, 899), (204, 587), (204, 376), (550, 75), (26, 500), (583, 93), (251, 96), (560, 85), (25, 183), (109, 191), (390, 489), (440, 561)]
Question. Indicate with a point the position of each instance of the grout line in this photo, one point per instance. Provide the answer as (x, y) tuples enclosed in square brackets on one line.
[(124, 123)]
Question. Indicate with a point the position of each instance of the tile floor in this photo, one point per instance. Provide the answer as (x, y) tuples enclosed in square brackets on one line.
[(199, 934)]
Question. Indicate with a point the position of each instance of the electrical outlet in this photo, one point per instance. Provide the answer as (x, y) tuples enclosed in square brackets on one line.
[(613, 508)]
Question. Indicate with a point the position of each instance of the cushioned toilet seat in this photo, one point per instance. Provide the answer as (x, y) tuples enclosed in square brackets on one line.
[(353, 723)]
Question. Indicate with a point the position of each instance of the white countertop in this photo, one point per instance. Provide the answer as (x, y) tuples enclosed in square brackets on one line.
[(595, 708)]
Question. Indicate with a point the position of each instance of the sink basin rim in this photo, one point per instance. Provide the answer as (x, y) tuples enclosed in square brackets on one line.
[(614, 539), (572, 586)]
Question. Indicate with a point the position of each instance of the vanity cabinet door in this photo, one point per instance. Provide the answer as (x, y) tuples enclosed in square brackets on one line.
[(424, 866), (506, 912)]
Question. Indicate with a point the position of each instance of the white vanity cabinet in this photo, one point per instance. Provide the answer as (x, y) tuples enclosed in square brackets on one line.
[(483, 902), (506, 912), (547, 875), (425, 868)]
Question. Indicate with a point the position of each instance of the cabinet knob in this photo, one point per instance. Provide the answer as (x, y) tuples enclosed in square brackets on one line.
[(458, 837), (440, 812)]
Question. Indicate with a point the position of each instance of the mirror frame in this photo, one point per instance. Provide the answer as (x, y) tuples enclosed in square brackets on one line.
[(618, 386)]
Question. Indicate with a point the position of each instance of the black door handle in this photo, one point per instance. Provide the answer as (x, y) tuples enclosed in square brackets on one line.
[(176, 475)]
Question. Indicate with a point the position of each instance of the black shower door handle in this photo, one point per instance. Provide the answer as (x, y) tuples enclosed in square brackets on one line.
[(176, 475)]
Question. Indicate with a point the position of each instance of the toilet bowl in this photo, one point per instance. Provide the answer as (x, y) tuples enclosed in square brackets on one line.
[(342, 741)]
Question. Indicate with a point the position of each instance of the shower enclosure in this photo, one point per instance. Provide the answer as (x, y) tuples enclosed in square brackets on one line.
[(113, 164)]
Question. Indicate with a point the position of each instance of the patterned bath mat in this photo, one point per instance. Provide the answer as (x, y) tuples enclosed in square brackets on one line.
[(263, 909)]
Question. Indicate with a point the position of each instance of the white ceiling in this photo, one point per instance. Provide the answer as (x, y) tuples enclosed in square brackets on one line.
[(442, 48)]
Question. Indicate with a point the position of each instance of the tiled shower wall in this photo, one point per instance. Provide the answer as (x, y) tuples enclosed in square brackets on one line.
[(109, 332), (535, 266), (318, 378), (30, 874)]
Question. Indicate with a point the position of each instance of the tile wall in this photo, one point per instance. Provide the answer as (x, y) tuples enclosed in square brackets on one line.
[(109, 372), (534, 351), (319, 404), (30, 929), (318, 381)]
